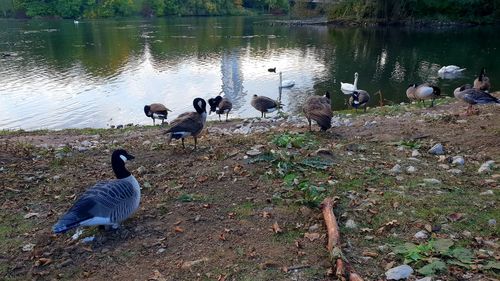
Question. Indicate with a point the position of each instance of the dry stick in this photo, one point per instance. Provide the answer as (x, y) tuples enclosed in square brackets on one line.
[(334, 242)]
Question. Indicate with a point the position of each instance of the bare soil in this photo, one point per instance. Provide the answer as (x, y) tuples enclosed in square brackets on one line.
[(216, 214)]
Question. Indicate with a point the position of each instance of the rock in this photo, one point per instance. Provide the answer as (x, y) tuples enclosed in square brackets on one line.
[(455, 171), (28, 247), (396, 169), (458, 160), (428, 278), (415, 153), (487, 192), (411, 170), (86, 143), (422, 234), (350, 224), (146, 142), (161, 250), (414, 159), (119, 126), (492, 222), (253, 152), (467, 234), (82, 148), (56, 178), (88, 239), (437, 149), (313, 227), (432, 181), (486, 167), (141, 170), (399, 272), (444, 166)]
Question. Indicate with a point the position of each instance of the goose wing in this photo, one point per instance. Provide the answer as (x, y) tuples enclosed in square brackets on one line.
[(474, 96), (262, 103), (105, 203), (187, 122), (158, 107), (224, 105)]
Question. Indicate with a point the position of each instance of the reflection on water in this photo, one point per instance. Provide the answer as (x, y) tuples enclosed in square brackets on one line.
[(101, 73)]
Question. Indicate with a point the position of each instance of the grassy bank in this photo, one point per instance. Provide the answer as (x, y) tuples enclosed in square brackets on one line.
[(219, 214)]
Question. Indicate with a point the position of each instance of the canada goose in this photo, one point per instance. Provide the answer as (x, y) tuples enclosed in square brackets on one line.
[(106, 203), (318, 108), (359, 98), (189, 123), (450, 69), (423, 92), (156, 110), (348, 88), (473, 96), (220, 106), (482, 82), (264, 104), (286, 83), (272, 69)]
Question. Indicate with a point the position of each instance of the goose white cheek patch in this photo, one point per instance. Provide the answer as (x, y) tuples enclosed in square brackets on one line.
[(123, 158)]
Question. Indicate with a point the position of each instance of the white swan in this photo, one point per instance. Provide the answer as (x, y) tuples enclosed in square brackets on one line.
[(450, 69), (286, 83), (348, 88)]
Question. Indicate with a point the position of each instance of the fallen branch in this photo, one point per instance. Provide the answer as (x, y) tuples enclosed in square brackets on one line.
[(333, 245)]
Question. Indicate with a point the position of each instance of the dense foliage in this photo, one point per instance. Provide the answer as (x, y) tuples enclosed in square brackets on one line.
[(464, 10), (112, 8)]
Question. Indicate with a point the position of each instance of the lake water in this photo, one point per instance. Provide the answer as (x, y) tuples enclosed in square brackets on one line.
[(101, 73)]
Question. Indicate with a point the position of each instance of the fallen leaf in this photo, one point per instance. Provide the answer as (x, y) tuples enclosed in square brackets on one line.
[(202, 178), (30, 215), (311, 236), (222, 237), (266, 215), (370, 254), (189, 264), (221, 277), (389, 265), (455, 216), (428, 227), (43, 261), (178, 229), (276, 228)]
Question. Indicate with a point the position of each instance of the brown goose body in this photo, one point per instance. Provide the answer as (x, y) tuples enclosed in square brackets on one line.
[(482, 82), (156, 110), (423, 92), (264, 104), (220, 106), (318, 108), (189, 123)]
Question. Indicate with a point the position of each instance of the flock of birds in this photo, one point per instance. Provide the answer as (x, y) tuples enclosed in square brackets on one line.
[(110, 202)]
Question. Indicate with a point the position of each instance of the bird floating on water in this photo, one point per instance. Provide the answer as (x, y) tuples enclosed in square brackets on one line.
[(348, 88), (286, 83)]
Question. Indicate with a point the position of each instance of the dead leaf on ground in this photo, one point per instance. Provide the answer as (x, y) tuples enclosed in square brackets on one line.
[(30, 215), (370, 254), (265, 215), (189, 264), (43, 261), (222, 237), (311, 236), (276, 228), (178, 229), (455, 216), (202, 179)]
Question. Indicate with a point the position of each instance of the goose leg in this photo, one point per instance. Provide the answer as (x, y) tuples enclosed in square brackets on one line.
[(309, 120), (432, 103), (219, 118), (195, 142), (153, 121), (183, 146), (227, 114), (364, 109)]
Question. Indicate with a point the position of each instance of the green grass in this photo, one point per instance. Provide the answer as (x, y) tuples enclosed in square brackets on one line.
[(244, 210)]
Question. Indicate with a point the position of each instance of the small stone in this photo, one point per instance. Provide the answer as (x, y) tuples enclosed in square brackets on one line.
[(253, 152), (422, 234), (82, 148), (458, 160), (411, 170), (415, 153), (86, 143), (432, 181), (56, 178), (141, 170), (88, 239), (119, 126), (161, 250), (492, 222), (466, 234), (444, 166), (437, 149), (313, 227), (399, 272), (28, 247), (455, 171), (350, 224), (396, 169), (487, 192), (146, 142), (486, 167)]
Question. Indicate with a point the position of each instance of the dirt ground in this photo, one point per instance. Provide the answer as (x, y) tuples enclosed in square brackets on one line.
[(217, 214)]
